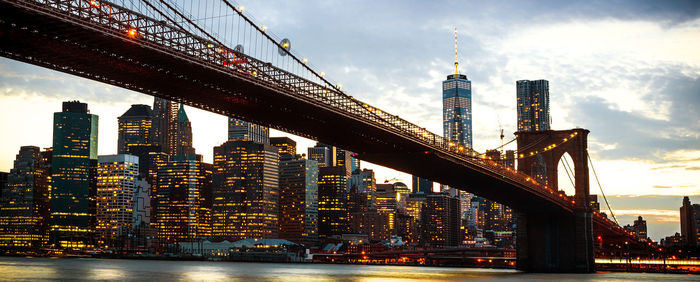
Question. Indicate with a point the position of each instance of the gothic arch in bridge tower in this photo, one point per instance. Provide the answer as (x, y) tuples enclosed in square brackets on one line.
[(547, 148)]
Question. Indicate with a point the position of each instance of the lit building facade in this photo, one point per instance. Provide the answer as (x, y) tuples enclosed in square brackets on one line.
[(457, 109), (332, 202), (533, 105), (73, 177), (298, 208), (135, 128), (183, 197), (117, 180), (440, 221), (239, 130), (24, 204), (286, 147), (366, 185), (245, 191)]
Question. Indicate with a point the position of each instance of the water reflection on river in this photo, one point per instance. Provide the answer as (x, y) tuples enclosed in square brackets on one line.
[(13, 268)]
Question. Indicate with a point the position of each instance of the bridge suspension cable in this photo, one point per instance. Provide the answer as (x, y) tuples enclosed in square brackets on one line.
[(567, 168), (601, 188)]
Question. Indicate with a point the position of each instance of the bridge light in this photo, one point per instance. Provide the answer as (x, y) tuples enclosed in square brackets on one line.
[(132, 32), (426, 152), (339, 86), (241, 8), (322, 74), (264, 28), (304, 60)]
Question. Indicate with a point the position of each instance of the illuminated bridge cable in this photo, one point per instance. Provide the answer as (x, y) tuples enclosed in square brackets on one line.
[(601, 188)]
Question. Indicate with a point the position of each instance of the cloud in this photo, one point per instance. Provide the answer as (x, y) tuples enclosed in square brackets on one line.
[(662, 187), (693, 168)]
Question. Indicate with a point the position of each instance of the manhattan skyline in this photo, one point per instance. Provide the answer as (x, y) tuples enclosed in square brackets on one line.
[(631, 78)]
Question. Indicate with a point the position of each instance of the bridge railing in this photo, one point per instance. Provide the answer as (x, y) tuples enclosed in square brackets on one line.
[(163, 26)]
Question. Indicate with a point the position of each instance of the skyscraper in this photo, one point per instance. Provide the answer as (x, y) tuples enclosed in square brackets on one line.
[(135, 128), (239, 130), (73, 171), (286, 147), (690, 221), (533, 105), (298, 208), (422, 185), (183, 197), (440, 221), (332, 202), (245, 191), (457, 106), (164, 116), (324, 154), (533, 115), (117, 180), (182, 133), (24, 205)]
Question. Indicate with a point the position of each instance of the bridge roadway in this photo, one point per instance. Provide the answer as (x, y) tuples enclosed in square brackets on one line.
[(111, 44)]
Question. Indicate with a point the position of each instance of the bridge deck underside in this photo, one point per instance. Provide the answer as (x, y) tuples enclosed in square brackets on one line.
[(59, 44)]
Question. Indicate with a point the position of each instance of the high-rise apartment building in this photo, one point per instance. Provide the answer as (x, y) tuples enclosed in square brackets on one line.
[(24, 204), (135, 128), (183, 197), (298, 205), (117, 180), (533, 105), (332, 202), (73, 181), (245, 191), (239, 130)]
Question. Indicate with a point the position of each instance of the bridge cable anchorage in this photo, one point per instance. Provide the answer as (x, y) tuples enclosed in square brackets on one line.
[(601, 188)]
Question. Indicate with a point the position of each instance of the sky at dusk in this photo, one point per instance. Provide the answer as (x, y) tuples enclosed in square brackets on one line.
[(629, 71)]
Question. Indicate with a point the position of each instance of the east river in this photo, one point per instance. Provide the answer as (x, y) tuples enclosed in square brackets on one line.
[(18, 268)]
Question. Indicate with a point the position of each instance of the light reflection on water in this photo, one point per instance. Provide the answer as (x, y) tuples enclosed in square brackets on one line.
[(16, 268)]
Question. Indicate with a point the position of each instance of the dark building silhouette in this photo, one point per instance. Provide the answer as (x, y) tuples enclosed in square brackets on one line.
[(163, 122), (332, 202), (73, 181), (422, 185), (298, 205), (135, 128), (690, 220), (245, 191), (24, 205), (182, 133)]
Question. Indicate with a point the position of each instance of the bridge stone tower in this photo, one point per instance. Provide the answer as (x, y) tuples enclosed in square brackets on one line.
[(559, 241)]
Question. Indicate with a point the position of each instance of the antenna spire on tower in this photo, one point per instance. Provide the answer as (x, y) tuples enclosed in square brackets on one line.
[(456, 57)]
